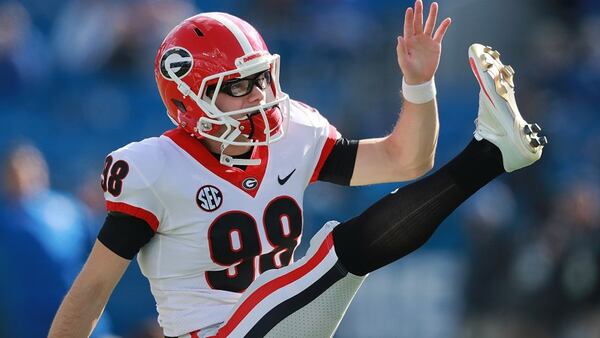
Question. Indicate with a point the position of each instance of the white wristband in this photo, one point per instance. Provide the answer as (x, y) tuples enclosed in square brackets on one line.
[(420, 93)]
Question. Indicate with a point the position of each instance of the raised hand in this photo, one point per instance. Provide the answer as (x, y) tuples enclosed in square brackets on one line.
[(419, 49)]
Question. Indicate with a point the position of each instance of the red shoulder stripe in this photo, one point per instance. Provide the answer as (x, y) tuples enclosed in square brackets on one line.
[(125, 208)]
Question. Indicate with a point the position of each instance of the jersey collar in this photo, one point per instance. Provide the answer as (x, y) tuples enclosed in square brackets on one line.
[(248, 180)]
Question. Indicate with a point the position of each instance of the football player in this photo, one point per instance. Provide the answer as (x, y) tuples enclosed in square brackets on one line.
[(213, 208)]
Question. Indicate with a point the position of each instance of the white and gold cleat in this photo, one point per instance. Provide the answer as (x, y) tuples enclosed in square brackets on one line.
[(499, 120)]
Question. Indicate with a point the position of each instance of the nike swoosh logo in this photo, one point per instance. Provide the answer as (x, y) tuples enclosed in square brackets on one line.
[(285, 179)]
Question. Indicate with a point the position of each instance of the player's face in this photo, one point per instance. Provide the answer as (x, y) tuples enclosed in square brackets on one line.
[(227, 103), (236, 95), (243, 93)]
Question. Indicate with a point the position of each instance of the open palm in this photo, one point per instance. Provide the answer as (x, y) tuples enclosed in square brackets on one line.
[(419, 48)]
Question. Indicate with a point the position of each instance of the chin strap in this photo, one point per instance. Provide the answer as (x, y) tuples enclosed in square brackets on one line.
[(232, 161)]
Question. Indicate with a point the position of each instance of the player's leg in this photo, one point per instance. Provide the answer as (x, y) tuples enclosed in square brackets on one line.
[(404, 220), (309, 297), (305, 299)]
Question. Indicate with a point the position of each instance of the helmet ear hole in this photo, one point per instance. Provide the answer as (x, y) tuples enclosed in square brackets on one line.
[(210, 91), (180, 106)]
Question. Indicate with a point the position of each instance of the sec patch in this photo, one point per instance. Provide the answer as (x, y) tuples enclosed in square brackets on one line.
[(209, 198)]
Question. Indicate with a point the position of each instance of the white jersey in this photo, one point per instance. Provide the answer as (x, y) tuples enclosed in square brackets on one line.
[(216, 228)]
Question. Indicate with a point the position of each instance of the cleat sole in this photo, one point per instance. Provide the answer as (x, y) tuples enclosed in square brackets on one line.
[(499, 120), (503, 76)]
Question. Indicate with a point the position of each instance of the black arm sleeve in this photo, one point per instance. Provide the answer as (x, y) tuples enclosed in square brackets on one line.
[(339, 166), (125, 235)]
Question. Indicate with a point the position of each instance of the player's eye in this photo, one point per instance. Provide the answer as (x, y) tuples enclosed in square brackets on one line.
[(244, 86), (241, 87)]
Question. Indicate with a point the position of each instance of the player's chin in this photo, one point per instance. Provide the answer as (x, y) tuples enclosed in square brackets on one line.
[(261, 127)]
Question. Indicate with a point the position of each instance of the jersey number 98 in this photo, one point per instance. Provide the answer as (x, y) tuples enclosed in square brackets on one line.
[(234, 242)]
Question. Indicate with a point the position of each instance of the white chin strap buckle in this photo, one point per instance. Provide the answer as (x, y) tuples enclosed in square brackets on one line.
[(231, 161)]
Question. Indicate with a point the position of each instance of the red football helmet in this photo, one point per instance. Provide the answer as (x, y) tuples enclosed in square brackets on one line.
[(204, 52)]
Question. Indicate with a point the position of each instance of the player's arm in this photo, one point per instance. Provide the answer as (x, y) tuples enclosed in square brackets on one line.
[(120, 239), (409, 151), (85, 301)]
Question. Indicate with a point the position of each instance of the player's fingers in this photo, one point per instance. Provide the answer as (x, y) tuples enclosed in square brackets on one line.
[(418, 25), (441, 31), (431, 18), (401, 49), (408, 22)]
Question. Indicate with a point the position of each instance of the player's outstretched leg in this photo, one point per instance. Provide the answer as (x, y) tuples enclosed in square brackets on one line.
[(499, 120), (309, 297), (405, 219)]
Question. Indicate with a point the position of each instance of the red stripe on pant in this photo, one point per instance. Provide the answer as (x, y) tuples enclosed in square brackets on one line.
[(265, 290)]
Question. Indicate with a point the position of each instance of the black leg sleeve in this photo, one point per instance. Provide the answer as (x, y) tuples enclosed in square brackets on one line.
[(404, 220)]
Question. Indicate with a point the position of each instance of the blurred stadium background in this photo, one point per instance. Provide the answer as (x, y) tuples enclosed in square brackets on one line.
[(520, 259)]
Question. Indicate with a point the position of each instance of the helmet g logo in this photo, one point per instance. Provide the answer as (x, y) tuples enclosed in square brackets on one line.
[(179, 60)]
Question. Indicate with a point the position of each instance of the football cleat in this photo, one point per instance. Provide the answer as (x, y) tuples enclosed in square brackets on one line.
[(498, 119)]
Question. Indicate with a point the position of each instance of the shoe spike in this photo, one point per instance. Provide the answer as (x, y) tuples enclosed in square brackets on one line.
[(507, 74), (543, 140)]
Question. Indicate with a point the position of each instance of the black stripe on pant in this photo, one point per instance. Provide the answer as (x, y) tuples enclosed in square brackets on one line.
[(288, 307)]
